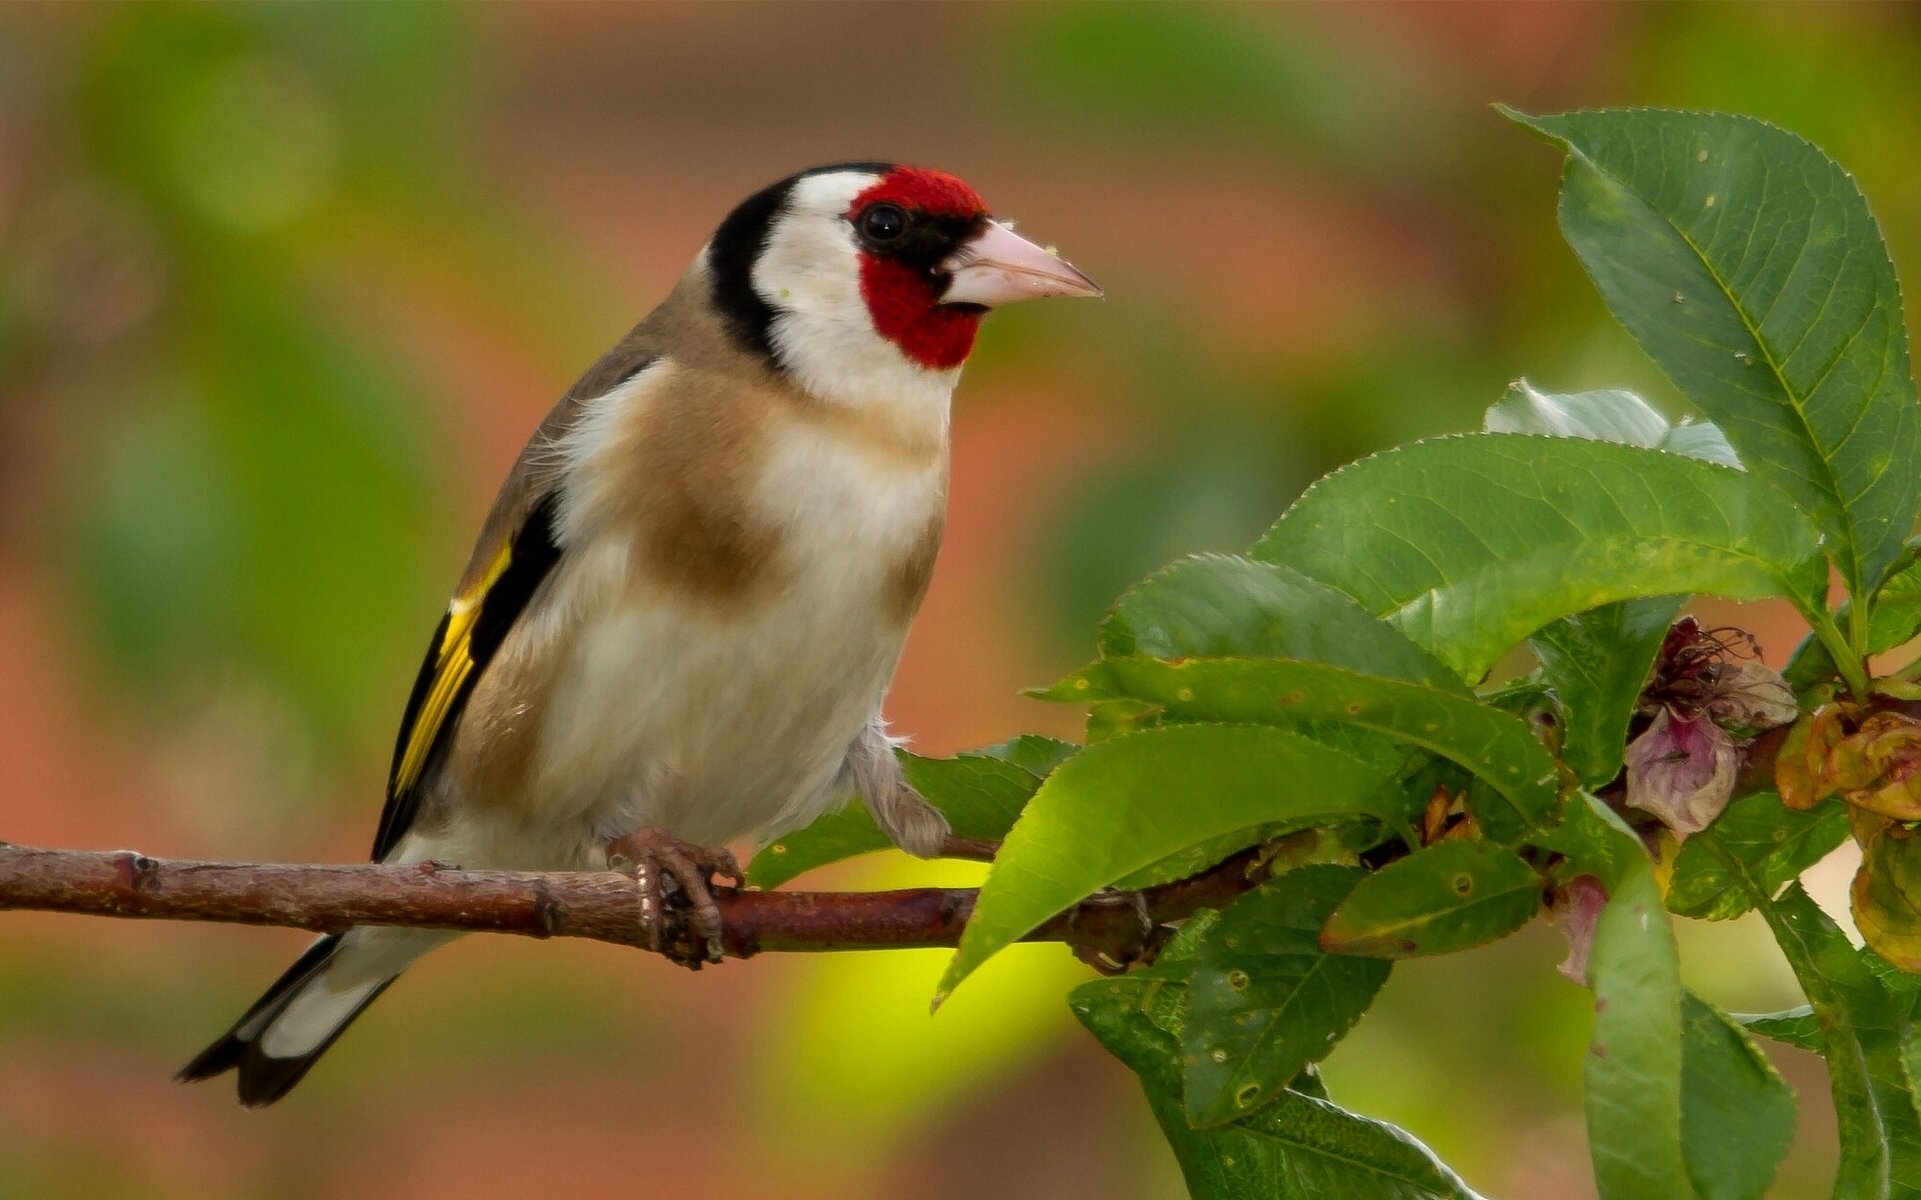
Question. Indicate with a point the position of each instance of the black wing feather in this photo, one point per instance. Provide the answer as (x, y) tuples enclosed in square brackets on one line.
[(530, 559)]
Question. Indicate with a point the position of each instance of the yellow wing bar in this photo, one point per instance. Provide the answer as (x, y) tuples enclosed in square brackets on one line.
[(476, 624), (453, 663)]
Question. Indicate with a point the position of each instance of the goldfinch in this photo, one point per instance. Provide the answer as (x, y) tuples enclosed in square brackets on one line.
[(683, 612)]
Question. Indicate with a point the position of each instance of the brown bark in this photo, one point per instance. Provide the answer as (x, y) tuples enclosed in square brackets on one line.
[(603, 906)]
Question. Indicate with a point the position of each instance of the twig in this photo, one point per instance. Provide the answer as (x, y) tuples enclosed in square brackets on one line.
[(602, 906)]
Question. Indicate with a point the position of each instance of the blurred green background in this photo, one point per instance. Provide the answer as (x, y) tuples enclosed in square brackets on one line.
[(282, 289)]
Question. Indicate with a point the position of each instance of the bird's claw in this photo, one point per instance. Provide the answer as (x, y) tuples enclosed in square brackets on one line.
[(676, 874)]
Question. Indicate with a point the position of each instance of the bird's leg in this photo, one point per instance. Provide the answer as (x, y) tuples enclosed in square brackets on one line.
[(658, 859)]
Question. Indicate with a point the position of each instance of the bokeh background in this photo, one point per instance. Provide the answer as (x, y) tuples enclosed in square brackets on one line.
[(282, 289)]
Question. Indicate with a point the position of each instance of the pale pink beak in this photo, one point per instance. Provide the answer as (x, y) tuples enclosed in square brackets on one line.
[(998, 266)]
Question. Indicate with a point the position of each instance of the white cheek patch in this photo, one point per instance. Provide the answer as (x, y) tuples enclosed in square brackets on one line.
[(822, 332), (810, 264)]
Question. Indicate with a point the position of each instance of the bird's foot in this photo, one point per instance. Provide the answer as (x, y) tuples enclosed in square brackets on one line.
[(674, 873)]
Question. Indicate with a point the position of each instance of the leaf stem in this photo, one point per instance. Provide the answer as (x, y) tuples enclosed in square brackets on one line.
[(1858, 616), (1847, 660)]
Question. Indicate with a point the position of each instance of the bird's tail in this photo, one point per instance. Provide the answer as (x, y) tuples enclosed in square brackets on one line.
[(279, 1039)]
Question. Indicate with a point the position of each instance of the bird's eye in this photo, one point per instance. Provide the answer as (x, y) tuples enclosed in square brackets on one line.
[(883, 222)]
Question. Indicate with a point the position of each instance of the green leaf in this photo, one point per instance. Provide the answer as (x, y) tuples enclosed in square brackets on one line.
[(1299, 1146), (1123, 804), (833, 836), (1773, 843), (1264, 1000), (1108, 719), (1496, 746), (1218, 606), (1296, 1146), (1101, 687), (1797, 1027), (1703, 440), (1747, 264), (1597, 662), (980, 796), (1595, 841), (1469, 544), (1904, 986), (1634, 1064), (1895, 618), (1161, 991), (1737, 1113), (1609, 415), (1443, 898), (1202, 855), (1868, 1038), (1310, 1083), (1812, 673), (1031, 752)]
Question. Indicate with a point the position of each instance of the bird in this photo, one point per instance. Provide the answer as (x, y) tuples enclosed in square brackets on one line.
[(683, 612)]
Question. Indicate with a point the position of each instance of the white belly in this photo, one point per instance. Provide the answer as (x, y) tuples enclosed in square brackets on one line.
[(715, 732), (721, 724)]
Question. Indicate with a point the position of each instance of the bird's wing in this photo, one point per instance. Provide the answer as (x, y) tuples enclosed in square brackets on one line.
[(519, 547), (475, 625)]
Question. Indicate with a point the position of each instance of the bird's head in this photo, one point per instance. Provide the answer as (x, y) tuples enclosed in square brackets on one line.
[(866, 278)]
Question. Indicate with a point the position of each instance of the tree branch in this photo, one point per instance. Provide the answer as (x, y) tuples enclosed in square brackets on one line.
[(603, 906)]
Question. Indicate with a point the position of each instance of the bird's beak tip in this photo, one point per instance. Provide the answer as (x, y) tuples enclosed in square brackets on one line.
[(998, 266)]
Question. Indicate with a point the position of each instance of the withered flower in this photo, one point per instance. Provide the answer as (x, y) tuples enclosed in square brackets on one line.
[(1578, 907), (1708, 688)]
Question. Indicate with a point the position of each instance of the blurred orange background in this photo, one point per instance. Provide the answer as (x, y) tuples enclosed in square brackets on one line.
[(283, 288)]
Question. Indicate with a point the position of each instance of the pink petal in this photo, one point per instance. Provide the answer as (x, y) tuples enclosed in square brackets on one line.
[(1579, 905), (1682, 771)]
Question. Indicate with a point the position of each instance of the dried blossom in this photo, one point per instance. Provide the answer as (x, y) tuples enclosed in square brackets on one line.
[(1578, 907), (1709, 687), (1681, 770), (1752, 695)]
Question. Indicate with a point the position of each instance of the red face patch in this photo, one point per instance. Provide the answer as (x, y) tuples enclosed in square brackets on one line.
[(902, 297)]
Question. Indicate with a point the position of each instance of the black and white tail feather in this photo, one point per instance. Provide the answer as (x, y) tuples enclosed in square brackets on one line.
[(264, 1076), (287, 1030)]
